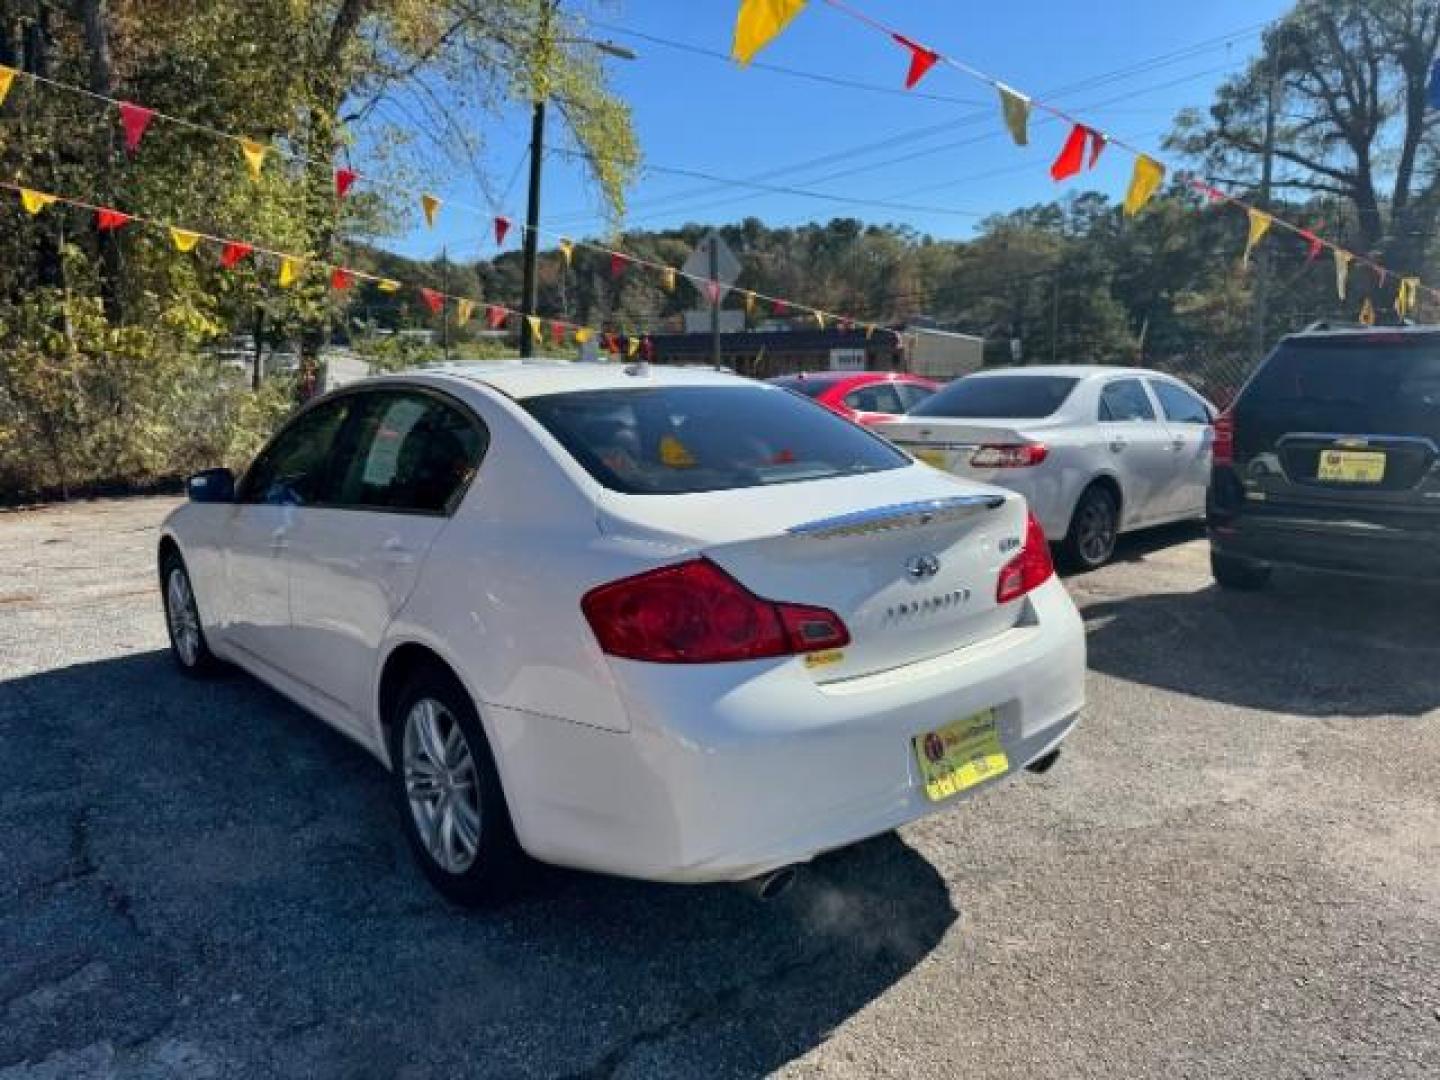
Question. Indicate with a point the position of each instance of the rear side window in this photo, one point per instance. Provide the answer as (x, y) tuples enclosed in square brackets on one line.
[(879, 398), (1000, 397), (407, 452), (683, 439), (1180, 405), (1125, 399), (1387, 384)]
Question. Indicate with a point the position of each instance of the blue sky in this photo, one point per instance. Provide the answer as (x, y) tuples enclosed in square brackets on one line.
[(941, 150)]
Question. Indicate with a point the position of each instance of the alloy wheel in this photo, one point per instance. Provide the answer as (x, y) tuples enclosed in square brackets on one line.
[(183, 616), (442, 785)]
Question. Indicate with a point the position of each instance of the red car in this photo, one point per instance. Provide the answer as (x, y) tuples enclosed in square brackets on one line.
[(867, 397)]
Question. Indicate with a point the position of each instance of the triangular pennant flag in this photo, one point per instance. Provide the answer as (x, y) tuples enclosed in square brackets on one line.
[(183, 239), (7, 78), (431, 205), (1072, 155), (1144, 182), (632, 346), (1367, 313), (435, 301), (618, 263), (568, 250), (1097, 145), (557, 331), (388, 285), (290, 269), (34, 201), (869, 331), (1380, 275), (1259, 226), (749, 303), (921, 60), (711, 289), (254, 154), (757, 24), (583, 335), (1015, 107), (667, 279), (1315, 245), (134, 119), (610, 343), (502, 226), (344, 181), (341, 279), (107, 220), (495, 316), (533, 322), (1342, 271), (820, 319), (233, 252), (464, 309), (1406, 296)]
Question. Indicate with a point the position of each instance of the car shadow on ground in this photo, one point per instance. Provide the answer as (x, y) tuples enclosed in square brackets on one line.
[(203, 865), (1309, 645), (1140, 545)]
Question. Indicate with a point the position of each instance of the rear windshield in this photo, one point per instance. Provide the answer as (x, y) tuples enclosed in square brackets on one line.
[(682, 439), (808, 387), (1387, 385), (1000, 397)]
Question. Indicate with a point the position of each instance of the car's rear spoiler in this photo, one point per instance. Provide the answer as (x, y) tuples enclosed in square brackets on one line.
[(898, 516)]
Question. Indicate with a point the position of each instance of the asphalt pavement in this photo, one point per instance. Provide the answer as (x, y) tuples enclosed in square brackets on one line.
[(1234, 870)]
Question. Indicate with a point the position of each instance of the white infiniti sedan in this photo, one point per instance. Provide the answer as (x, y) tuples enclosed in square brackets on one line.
[(1096, 451), (670, 624)]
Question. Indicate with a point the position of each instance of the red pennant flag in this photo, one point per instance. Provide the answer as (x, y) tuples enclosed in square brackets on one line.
[(618, 263), (341, 279), (111, 220), (1097, 144), (435, 301), (611, 344), (1316, 245), (233, 253), (1072, 155), (781, 308), (496, 316), (502, 226), (647, 348), (557, 332), (134, 119), (344, 181), (921, 60)]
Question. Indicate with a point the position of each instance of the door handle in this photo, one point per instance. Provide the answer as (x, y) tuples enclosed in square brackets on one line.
[(1177, 444), (396, 553), (279, 540), (1117, 444)]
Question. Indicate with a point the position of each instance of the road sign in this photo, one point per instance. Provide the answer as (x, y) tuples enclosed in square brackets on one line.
[(723, 270)]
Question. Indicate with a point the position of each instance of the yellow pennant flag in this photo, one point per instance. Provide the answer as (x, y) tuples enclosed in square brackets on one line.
[(388, 285), (7, 76), (533, 322), (254, 157), (1367, 313), (183, 239), (463, 310), (1406, 295), (1342, 271), (749, 303), (290, 270), (1015, 107), (34, 201), (1259, 226), (667, 279), (582, 335), (431, 205), (632, 346), (1144, 182), (567, 248), (758, 22), (820, 319)]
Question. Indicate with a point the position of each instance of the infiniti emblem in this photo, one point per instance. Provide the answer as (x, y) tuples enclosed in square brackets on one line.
[(922, 567)]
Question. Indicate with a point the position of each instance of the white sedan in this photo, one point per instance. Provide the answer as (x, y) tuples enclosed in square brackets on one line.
[(1096, 451), (670, 624)]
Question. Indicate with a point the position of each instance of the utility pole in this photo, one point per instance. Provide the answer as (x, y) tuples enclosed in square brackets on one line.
[(530, 298), (715, 299), (1259, 335)]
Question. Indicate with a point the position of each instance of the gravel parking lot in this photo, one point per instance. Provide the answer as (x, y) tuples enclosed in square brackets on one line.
[(1233, 872)]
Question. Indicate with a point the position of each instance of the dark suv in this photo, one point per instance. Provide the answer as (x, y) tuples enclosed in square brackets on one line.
[(1327, 459)]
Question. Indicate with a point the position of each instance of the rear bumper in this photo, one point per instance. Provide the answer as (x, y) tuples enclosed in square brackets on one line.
[(1330, 541), (733, 770)]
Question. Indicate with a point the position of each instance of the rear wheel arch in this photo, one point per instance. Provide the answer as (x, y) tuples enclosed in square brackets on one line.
[(1109, 483)]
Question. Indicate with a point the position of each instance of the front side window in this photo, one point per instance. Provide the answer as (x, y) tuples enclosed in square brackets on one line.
[(294, 469), (407, 452), (685, 439), (879, 398), (1125, 400), (1180, 405)]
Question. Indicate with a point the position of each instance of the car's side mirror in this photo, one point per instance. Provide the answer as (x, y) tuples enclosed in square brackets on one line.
[(211, 486)]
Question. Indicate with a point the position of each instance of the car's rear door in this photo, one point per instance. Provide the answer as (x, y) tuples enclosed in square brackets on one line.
[(1136, 445), (406, 458), (1188, 423)]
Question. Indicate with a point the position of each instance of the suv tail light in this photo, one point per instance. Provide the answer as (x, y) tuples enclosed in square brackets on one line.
[(696, 613), (1223, 451), (1009, 455), (1028, 570)]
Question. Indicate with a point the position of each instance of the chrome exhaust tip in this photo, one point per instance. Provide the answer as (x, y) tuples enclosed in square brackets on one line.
[(772, 885)]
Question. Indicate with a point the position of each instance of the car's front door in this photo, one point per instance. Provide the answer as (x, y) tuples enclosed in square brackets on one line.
[(405, 459), (1188, 422), (1137, 446), (287, 479)]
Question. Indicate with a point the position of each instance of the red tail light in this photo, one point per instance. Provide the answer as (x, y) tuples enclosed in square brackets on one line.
[(1009, 455), (1223, 451), (696, 613), (1028, 570)]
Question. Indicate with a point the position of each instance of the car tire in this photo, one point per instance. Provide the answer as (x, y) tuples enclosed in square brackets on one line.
[(1090, 541), (188, 647), (1232, 573), (448, 794)]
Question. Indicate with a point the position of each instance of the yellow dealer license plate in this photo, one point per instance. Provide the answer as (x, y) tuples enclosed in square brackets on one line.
[(1352, 466), (937, 458), (960, 755)]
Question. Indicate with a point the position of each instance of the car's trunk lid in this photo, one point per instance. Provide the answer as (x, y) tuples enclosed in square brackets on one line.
[(950, 444)]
